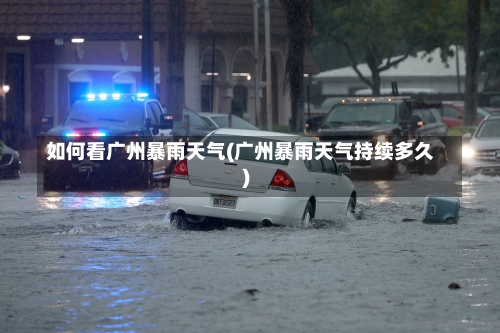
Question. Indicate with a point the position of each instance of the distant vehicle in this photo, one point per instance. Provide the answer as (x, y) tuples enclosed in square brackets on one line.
[(386, 119), (105, 118), (312, 108), (282, 192), (193, 125), (453, 113), (328, 103), (313, 123), (314, 119), (482, 153), (220, 120), (10, 165), (401, 91)]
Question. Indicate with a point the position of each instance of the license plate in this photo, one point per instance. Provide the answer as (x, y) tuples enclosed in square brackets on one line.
[(85, 168), (224, 201), (347, 164)]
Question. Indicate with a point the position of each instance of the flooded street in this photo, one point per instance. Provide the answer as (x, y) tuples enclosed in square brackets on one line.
[(115, 264)]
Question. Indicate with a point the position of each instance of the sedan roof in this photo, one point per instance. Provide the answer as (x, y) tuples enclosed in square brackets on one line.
[(256, 133)]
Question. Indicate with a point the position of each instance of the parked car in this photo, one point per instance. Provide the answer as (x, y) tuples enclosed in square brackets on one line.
[(453, 113), (10, 165), (482, 153), (313, 123), (328, 104), (193, 125), (220, 120), (282, 192)]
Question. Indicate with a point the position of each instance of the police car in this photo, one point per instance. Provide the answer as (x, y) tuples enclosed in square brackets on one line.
[(103, 141)]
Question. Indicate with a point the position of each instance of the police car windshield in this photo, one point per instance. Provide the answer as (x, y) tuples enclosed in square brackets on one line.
[(105, 113), (361, 114)]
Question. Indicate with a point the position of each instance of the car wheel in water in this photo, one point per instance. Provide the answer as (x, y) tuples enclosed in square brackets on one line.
[(50, 184), (307, 216), (450, 221), (146, 182), (351, 207), (437, 163)]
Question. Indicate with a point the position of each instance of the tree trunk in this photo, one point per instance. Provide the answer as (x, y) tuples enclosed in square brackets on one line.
[(472, 61), (299, 23), (372, 64), (176, 46)]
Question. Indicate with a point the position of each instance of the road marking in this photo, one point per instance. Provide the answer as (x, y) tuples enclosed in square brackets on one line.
[(247, 178)]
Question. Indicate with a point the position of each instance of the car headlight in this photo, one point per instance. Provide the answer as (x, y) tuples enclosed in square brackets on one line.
[(468, 152), (381, 138)]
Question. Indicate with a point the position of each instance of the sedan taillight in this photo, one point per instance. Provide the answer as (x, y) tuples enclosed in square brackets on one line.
[(282, 181), (181, 170)]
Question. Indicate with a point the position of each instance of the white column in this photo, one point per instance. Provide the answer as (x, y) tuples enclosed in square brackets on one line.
[(192, 73)]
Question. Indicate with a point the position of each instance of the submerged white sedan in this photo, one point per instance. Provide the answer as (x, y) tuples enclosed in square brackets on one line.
[(262, 177)]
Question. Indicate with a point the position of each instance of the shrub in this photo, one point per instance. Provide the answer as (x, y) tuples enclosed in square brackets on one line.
[(460, 130)]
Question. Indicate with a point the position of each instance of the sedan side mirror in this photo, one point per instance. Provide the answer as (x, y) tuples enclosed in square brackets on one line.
[(47, 123), (166, 121), (416, 121), (344, 170)]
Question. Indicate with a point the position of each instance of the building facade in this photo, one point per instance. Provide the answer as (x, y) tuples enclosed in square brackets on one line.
[(77, 47)]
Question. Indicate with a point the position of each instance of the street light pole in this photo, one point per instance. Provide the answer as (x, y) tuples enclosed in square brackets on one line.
[(147, 56), (256, 6), (267, 27)]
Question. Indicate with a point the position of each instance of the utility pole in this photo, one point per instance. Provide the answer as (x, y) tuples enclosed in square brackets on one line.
[(147, 44), (256, 6), (176, 42), (267, 27)]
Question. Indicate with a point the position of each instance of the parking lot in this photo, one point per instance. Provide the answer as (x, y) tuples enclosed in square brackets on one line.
[(114, 264)]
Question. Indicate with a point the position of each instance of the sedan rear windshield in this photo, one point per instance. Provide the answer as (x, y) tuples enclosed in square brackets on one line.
[(361, 114), (236, 122), (246, 153), (105, 113)]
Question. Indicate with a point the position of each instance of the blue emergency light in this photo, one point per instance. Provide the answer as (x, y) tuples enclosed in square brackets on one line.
[(115, 96)]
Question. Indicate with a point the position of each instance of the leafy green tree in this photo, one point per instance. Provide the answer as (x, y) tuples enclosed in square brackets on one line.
[(380, 33)]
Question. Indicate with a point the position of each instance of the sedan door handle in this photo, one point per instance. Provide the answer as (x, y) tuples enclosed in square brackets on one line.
[(317, 181), (333, 182)]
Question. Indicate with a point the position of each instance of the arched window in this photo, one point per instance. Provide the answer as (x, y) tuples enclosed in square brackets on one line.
[(80, 83), (157, 85), (124, 82)]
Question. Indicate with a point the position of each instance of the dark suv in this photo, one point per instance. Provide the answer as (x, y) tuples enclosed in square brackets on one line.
[(387, 119), (108, 119)]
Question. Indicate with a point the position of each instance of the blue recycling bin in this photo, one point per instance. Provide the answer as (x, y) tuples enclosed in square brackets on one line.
[(440, 210)]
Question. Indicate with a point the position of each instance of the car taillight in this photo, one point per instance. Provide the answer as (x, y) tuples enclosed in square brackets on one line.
[(181, 170), (282, 181)]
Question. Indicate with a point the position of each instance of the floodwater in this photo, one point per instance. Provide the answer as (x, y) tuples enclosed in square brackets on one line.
[(115, 264)]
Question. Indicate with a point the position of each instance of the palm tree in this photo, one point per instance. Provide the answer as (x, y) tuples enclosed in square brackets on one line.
[(299, 15), (176, 41)]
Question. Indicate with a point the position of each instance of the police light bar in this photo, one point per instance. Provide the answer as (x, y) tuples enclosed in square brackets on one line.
[(114, 96)]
